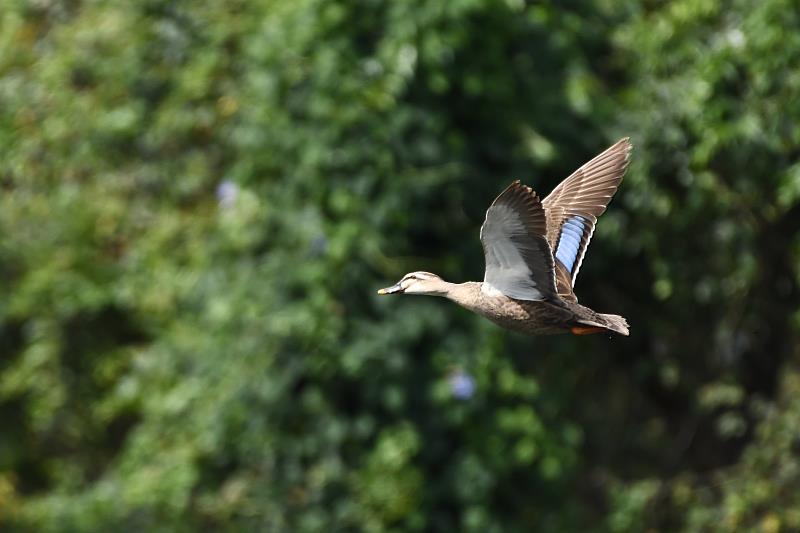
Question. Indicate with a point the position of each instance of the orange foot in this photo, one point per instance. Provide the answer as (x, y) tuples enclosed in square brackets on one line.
[(588, 330)]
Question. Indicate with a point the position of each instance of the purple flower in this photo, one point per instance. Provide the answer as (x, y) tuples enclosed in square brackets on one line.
[(318, 246), (227, 191), (462, 385)]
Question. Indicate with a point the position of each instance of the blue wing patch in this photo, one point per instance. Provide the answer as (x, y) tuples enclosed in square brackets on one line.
[(569, 242)]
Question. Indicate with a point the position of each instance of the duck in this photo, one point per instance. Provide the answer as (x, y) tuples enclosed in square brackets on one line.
[(533, 251)]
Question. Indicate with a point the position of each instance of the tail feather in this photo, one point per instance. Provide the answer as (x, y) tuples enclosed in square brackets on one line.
[(614, 323)]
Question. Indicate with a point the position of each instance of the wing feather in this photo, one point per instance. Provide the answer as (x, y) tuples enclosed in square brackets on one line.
[(573, 207), (519, 260)]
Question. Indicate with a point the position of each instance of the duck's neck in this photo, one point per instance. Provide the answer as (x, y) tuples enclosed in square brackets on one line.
[(464, 294), (437, 287)]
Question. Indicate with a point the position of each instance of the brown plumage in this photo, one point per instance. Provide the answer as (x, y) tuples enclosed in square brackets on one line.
[(534, 249), (586, 192)]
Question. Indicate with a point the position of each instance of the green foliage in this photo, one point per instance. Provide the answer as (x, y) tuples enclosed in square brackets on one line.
[(199, 200)]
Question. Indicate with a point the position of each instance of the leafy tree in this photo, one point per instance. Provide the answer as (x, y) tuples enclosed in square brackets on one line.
[(199, 199), (716, 194)]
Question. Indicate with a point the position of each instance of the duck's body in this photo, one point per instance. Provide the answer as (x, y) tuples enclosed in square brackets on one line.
[(528, 317), (533, 251), (533, 318)]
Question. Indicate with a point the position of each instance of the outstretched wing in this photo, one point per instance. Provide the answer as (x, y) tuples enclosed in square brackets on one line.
[(519, 261), (573, 207)]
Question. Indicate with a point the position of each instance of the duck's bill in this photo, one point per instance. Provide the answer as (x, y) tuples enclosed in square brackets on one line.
[(394, 289)]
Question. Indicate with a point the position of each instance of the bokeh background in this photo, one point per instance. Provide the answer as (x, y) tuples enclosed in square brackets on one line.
[(198, 200)]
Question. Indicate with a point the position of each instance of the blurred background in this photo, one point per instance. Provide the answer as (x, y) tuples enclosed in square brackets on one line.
[(199, 200)]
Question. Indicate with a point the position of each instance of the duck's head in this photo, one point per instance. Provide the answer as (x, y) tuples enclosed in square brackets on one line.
[(418, 283)]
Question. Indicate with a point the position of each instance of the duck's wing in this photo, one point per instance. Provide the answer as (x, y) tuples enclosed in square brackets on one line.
[(519, 261), (573, 207)]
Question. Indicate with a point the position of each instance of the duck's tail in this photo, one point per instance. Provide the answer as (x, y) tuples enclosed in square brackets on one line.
[(616, 324), (601, 323)]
